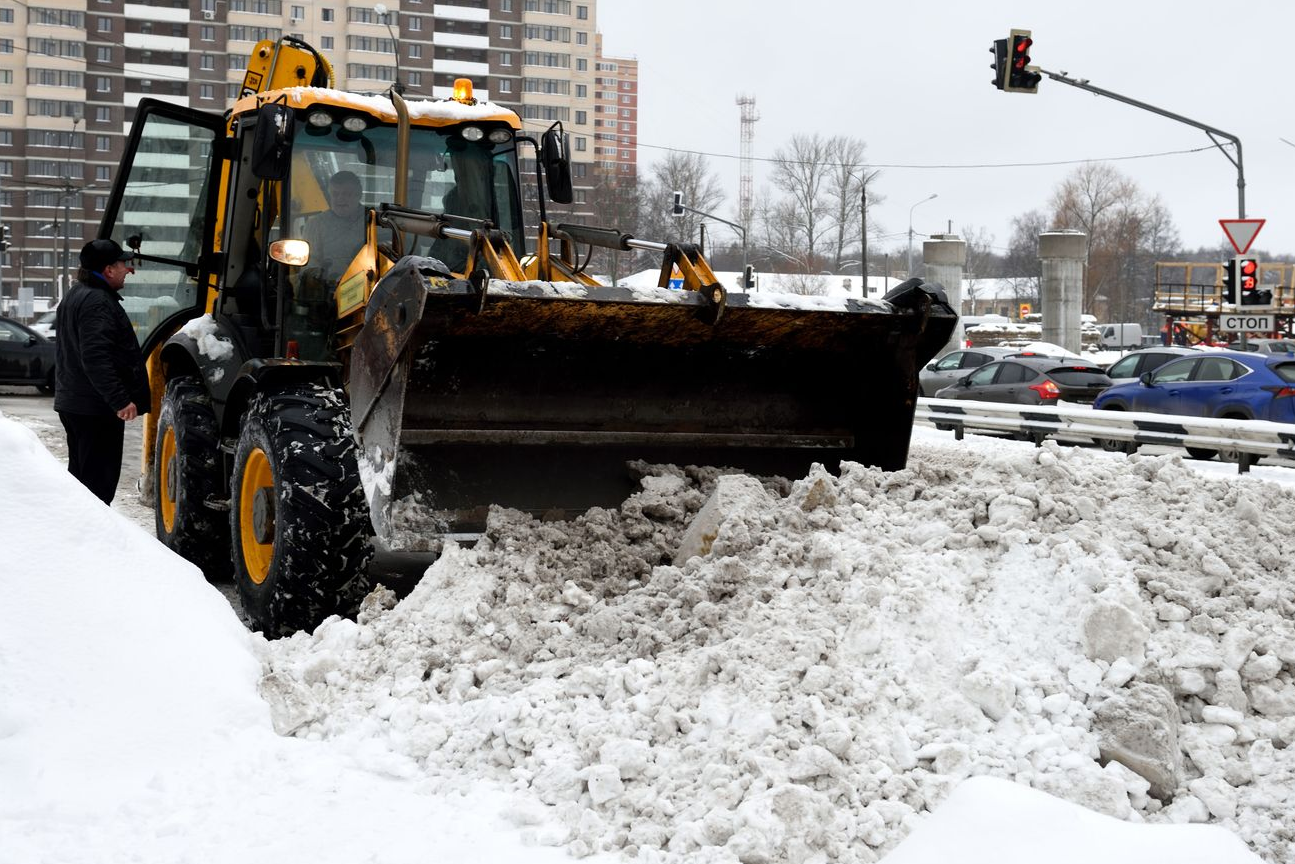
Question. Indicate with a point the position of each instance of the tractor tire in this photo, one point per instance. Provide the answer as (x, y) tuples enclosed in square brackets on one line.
[(189, 504), (299, 521)]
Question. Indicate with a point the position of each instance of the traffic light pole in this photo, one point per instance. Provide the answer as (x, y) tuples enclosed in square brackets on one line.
[(1215, 134)]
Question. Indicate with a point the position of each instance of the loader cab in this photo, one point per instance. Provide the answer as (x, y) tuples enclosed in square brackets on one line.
[(333, 173)]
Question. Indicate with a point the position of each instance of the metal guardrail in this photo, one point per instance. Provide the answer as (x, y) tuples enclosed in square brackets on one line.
[(1246, 441)]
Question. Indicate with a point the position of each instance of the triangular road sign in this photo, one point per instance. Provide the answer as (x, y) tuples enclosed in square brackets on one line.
[(1241, 232)]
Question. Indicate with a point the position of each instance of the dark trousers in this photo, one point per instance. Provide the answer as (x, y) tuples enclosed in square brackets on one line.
[(94, 445)]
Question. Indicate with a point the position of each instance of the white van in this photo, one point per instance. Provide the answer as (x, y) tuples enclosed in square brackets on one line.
[(1121, 336)]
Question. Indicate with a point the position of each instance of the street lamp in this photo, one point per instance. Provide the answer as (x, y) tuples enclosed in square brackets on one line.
[(910, 230), (385, 15)]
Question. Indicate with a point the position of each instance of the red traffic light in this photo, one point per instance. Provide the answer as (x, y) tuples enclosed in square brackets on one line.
[(1249, 268)]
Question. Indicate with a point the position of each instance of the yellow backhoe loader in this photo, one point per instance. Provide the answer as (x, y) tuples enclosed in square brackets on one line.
[(326, 379)]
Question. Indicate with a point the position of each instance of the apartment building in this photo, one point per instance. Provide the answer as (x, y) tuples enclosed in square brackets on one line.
[(72, 72)]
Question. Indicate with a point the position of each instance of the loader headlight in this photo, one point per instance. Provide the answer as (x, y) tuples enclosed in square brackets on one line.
[(355, 124), (500, 136), (319, 118), (292, 252), (472, 133)]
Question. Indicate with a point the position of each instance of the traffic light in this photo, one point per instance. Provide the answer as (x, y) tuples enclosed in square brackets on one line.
[(748, 277), (1000, 63), (6, 238), (1021, 77), (1230, 282), (1247, 284), (677, 210)]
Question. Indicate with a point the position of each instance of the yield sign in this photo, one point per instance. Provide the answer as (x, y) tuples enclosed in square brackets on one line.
[(1241, 232)]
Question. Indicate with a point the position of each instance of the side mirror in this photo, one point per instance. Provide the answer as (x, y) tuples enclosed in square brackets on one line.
[(557, 164), (32, 340), (1145, 379), (272, 141), (930, 367), (964, 381)]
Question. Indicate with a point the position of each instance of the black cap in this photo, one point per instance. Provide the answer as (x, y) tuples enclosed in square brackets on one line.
[(98, 254)]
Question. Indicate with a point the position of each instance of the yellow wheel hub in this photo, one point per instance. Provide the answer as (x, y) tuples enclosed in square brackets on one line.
[(167, 480), (256, 515)]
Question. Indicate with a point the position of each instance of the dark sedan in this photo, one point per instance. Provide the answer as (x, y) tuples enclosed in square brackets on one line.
[(26, 357), (957, 364), (1031, 381)]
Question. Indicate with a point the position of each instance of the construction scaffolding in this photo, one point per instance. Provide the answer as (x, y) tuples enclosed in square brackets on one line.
[(1190, 296)]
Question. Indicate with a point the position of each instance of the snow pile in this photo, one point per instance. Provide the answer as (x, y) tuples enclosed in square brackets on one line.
[(1113, 632)]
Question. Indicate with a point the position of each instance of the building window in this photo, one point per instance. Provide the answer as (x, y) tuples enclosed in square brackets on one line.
[(102, 143), (505, 86), (582, 12), (207, 33), (100, 202), (415, 23), (6, 16), (582, 92), (581, 117), (298, 12), (326, 42), (6, 137), (415, 52), (102, 172), (102, 114), (505, 5), (415, 79), (505, 59), (582, 38), (206, 91), (580, 144), (207, 62), (6, 167), (6, 106), (582, 65), (103, 54), (325, 14), (505, 31), (625, 100), (105, 24), (102, 84)]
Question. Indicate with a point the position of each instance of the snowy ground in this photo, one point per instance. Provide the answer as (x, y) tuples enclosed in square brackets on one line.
[(938, 664)]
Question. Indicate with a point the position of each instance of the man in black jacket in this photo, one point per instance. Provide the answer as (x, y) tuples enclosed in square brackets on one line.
[(100, 378)]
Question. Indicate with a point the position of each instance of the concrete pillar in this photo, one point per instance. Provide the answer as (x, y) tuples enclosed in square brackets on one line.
[(945, 255), (1064, 254)]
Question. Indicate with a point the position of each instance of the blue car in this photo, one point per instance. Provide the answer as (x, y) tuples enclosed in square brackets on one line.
[(1225, 384)]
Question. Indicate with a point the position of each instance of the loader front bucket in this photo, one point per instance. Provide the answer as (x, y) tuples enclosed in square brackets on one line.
[(536, 395)]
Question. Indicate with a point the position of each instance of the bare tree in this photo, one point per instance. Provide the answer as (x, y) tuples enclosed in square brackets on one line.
[(845, 184), (689, 173), (802, 170), (1021, 264), (980, 260), (1123, 226)]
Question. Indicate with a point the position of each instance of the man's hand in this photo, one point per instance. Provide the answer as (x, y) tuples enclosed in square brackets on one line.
[(128, 413)]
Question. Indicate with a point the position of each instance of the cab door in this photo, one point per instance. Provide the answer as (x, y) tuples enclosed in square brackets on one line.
[(163, 204)]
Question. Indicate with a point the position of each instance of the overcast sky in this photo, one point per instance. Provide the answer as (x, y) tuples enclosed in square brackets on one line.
[(912, 80)]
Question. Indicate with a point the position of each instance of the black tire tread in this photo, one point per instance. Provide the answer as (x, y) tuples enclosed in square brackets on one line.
[(322, 533), (200, 533)]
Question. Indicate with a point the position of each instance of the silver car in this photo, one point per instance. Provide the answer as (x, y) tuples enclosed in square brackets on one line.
[(1266, 346), (956, 365), (1133, 365)]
